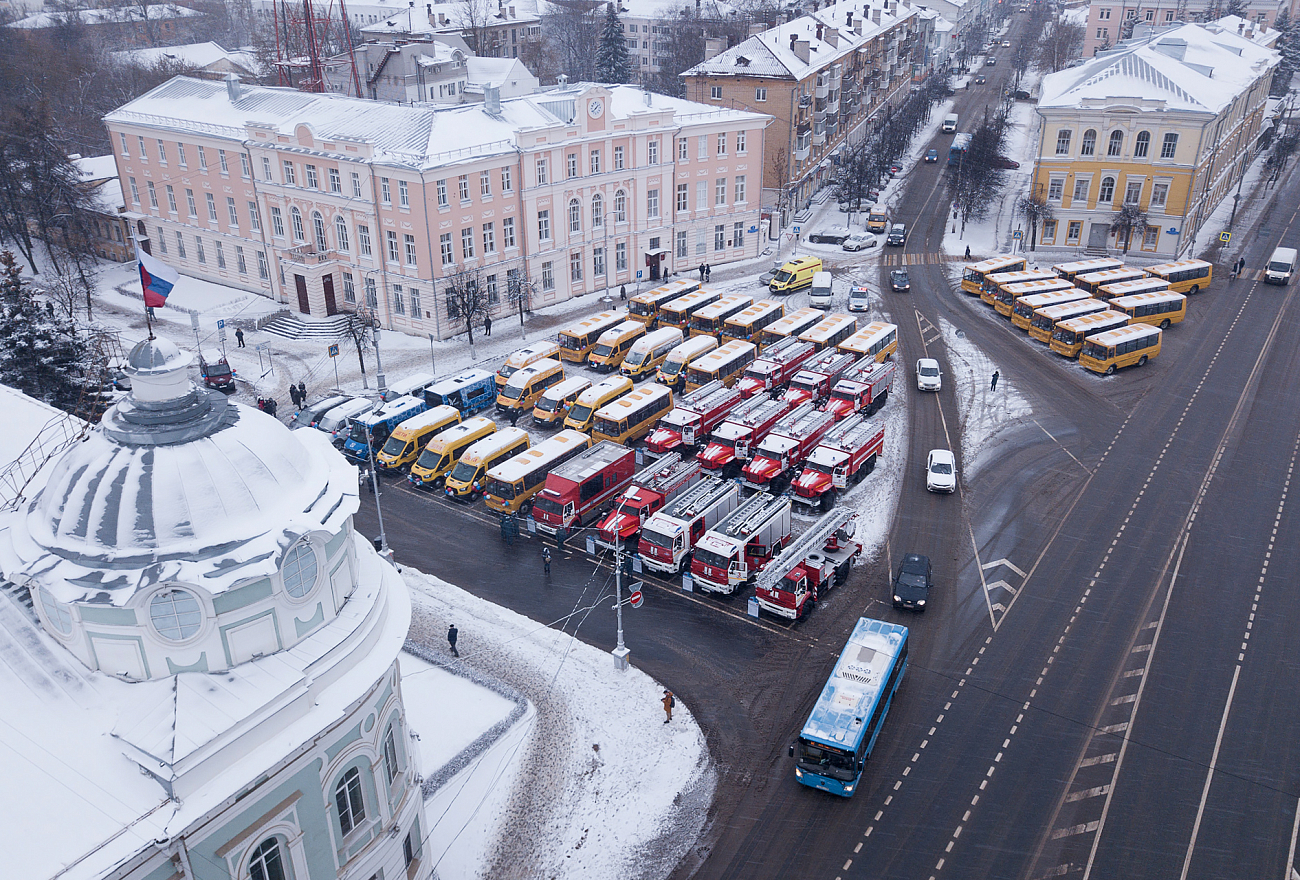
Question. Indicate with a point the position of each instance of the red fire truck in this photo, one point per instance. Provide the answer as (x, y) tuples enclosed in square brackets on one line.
[(747, 424), (651, 488), (780, 361), (778, 456), (864, 387), (669, 536), (846, 454), (578, 490), (739, 546), (694, 417), (818, 376), (814, 562)]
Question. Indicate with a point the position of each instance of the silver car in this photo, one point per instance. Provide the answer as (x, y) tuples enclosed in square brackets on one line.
[(859, 241), (766, 278)]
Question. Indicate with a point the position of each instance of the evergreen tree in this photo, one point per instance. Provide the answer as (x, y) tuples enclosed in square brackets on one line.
[(612, 62), (40, 353)]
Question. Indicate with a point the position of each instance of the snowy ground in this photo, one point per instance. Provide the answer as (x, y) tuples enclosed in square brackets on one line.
[(553, 758), (984, 411)]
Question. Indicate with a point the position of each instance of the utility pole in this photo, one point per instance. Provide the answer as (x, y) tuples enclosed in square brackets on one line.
[(374, 485)]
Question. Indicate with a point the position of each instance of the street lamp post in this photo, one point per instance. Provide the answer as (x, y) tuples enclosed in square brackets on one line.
[(379, 364), (374, 486)]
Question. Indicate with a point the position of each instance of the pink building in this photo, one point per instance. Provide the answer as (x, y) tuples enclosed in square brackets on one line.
[(325, 202), (1110, 21)]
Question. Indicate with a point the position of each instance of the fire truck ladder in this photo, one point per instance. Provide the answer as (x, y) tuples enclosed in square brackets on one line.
[(703, 403), (793, 419), (848, 433), (809, 542), (785, 349), (807, 422), (660, 472), (699, 496), (757, 510), (748, 412), (861, 371), (701, 394)]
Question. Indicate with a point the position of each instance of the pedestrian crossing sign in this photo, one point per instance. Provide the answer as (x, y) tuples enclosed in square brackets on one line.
[(334, 350), (1225, 237)]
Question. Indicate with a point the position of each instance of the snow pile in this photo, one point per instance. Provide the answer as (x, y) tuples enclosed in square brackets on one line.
[(589, 782), (984, 412)]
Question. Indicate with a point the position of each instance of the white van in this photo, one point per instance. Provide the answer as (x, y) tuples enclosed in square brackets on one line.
[(407, 385), (950, 123), (820, 295), (1280, 266), (336, 420)]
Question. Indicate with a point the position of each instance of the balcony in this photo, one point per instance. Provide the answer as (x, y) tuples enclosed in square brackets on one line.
[(819, 137), (308, 255), (805, 100), (822, 87)]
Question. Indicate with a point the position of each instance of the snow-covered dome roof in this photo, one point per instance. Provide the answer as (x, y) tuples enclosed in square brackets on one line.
[(156, 356)]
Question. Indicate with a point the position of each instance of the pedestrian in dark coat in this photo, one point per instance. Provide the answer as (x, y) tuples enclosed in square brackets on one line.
[(968, 252), (622, 292), (993, 385), (451, 640), (302, 394), (487, 325), (513, 416), (546, 561), (271, 405), (669, 703), (239, 337), (293, 393), (701, 271), (708, 271)]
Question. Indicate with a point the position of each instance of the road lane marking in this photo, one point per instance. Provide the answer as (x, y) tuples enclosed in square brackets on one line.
[(1209, 776), (1290, 853)]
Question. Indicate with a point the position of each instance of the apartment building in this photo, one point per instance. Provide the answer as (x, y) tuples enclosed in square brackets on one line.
[(1168, 126), (1113, 21), (328, 203), (819, 77)]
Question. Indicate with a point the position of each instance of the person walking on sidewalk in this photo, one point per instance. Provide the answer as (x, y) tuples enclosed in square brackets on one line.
[(622, 292), (668, 702), (701, 272), (968, 252), (452, 633), (293, 394), (546, 561), (487, 325), (708, 271), (993, 385), (239, 337)]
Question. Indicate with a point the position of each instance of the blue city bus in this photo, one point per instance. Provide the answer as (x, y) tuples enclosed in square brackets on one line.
[(470, 392), (837, 739), (378, 425), (960, 147)]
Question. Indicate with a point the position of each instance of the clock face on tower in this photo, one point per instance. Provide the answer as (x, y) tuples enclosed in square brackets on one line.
[(595, 108)]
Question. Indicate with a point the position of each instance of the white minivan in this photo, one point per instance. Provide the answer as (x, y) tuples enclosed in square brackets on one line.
[(1281, 266), (928, 375), (950, 123), (820, 295)]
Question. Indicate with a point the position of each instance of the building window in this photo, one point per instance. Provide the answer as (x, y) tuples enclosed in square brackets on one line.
[(682, 151), (541, 170), (715, 93), (385, 191), (58, 615), (1150, 238), (266, 168), (221, 158), (356, 185), (212, 207), (1063, 141), (444, 245), (162, 153), (341, 233), (598, 262), (652, 204), (575, 216), (681, 244), (652, 152), (703, 151), (349, 288), (336, 181), (232, 212), (740, 143), (415, 301), (1116, 145), (1072, 231), (266, 862), (153, 194), (180, 156), (296, 216), (263, 268), (618, 158), (467, 243), (135, 192), (162, 240), (176, 614), (544, 225), (372, 295), (1159, 195), (171, 200), (313, 182), (277, 222), (1103, 14), (489, 238), (189, 202), (240, 263), (548, 275), (1169, 147), (722, 144), (288, 172), (1132, 192), (399, 303), (508, 232), (760, 94), (126, 151), (408, 241), (720, 191), (318, 227), (254, 217), (1055, 189), (740, 189), (347, 797), (1089, 146), (391, 237), (363, 241), (507, 183), (300, 571), (246, 170), (683, 191), (597, 211), (719, 237), (701, 195), (738, 235), (620, 257), (403, 194), (575, 267), (493, 290), (571, 165), (1107, 191), (203, 160), (1049, 231), (1142, 145), (620, 207), (144, 157)]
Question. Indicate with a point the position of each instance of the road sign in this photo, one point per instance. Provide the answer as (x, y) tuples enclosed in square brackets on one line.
[(221, 323), (1018, 234), (1171, 231), (334, 350), (1225, 237), (796, 229), (635, 599), (639, 273)]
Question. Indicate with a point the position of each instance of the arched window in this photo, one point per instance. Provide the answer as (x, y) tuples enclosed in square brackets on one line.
[(176, 614), (318, 226), (1107, 189), (1089, 145), (301, 570), (55, 612), (298, 234), (1142, 145), (266, 862), (347, 797), (341, 232), (391, 767), (620, 207), (575, 216), (1116, 145), (597, 211)]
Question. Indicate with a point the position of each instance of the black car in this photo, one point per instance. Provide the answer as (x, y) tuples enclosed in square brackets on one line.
[(1004, 163), (899, 281), (1020, 95), (833, 235), (897, 235), (912, 582)]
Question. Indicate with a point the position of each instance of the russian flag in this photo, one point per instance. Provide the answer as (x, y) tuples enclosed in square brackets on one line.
[(156, 279)]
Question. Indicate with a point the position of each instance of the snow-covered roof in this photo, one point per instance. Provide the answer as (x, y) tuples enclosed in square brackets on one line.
[(661, 9), (99, 173), (1196, 67), (497, 71), (108, 15), (419, 136), (199, 55), (771, 54)]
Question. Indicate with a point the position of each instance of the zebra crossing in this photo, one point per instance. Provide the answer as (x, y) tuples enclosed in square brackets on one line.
[(898, 259)]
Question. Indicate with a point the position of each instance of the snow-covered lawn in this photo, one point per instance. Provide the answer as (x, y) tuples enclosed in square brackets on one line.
[(984, 411)]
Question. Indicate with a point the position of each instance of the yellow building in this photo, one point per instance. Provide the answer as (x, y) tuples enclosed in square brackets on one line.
[(1167, 126)]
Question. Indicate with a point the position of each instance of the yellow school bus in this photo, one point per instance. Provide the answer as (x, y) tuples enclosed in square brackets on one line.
[(577, 340), (709, 320), (583, 410), (1044, 320), (830, 331), (996, 281), (1130, 288), (678, 312), (445, 449), (403, 445), (1068, 337), (632, 416), (974, 276), (750, 323), (1184, 276), (524, 357), (510, 487), (1094, 281), (877, 340), (725, 364), (1008, 293), (1072, 270), (791, 325), (648, 352), (673, 369), (644, 307), (614, 344), (1023, 311), (1161, 309), (1124, 346), (466, 479)]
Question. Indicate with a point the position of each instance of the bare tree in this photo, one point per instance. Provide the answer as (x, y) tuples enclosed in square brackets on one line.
[(1036, 210), (467, 300), (1062, 45), (573, 31), (474, 18), (360, 329), (1130, 217)]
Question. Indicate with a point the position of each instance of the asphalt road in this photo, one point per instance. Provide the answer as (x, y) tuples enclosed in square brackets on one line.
[(1102, 686)]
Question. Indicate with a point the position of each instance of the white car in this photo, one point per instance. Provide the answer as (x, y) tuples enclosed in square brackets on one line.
[(928, 375), (859, 299), (859, 241), (941, 471)]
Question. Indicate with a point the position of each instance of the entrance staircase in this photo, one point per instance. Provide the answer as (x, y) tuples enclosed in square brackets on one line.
[(295, 327)]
